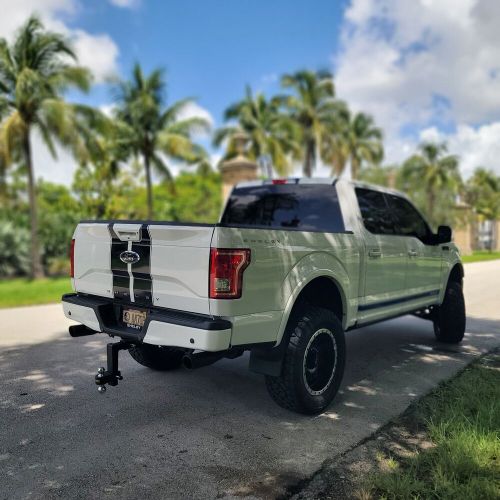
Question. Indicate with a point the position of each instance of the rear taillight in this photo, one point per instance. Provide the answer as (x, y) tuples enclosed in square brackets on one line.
[(226, 272), (279, 181), (72, 258)]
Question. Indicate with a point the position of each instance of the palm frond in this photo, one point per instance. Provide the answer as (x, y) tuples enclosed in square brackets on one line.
[(13, 131), (172, 112)]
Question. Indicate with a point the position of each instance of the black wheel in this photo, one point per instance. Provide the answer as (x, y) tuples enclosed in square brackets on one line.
[(449, 323), (157, 357), (314, 362)]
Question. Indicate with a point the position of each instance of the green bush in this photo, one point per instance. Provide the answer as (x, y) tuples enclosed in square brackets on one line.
[(14, 249)]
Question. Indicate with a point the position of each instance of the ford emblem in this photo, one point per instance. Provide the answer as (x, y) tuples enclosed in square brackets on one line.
[(129, 257)]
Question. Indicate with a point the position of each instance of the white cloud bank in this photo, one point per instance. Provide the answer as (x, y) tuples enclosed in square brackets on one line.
[(418, 65)]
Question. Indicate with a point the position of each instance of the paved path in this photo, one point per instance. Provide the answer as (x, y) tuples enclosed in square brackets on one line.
[(208, 433)]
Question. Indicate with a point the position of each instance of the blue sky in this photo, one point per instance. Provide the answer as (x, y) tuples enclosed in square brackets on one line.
[(425, 70), (212, 49)]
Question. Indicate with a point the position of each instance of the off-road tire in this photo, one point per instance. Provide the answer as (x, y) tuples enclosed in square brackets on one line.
[(291, 389), (449, 321), (156, 357)]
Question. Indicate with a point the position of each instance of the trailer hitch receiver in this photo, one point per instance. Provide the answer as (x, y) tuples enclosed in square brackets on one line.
[(112, 375)]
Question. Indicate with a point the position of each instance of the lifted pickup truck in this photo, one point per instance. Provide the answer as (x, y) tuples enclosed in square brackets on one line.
[(290, 267)]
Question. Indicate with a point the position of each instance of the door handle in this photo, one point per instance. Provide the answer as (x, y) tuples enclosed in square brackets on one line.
[(412, 253), (375, 253)]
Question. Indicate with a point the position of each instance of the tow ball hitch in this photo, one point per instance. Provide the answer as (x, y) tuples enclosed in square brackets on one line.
[(112, 375)]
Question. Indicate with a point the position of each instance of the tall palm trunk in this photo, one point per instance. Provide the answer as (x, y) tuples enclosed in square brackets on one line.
[(354, 167), (149, 186), (36, 263), (431, 202), (338, 162), (309, 159)]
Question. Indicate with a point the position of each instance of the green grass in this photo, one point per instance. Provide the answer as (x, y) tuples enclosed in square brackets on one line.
[(462, 418), (23, 292), (480, 256)]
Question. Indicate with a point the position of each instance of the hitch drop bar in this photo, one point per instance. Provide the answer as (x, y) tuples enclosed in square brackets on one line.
[(112, 375)]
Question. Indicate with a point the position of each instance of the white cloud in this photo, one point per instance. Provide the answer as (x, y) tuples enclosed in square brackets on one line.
[(476, 147), (98, 52), (59, 170), (194, 110), (107, 109), (125, 3), (415, 64)]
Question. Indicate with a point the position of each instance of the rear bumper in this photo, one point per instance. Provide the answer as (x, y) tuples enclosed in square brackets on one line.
[(163, 326)]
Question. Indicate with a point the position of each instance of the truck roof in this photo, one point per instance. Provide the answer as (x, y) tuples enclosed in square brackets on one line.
[(319, 180)]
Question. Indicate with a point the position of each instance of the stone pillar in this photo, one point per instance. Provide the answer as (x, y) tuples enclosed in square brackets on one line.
[(496, 236), (463, 230), (239, 168)]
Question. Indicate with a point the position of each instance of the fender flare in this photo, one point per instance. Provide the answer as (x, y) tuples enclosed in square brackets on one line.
[(269, 361), (320, 273), (451, 266)]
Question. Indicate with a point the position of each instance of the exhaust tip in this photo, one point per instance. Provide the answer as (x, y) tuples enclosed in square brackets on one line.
[(187, 362)]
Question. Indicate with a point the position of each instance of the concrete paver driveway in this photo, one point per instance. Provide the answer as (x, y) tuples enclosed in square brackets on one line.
[(208, 433)]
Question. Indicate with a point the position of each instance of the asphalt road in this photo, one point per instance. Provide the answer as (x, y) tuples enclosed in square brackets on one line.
[(211, 433)]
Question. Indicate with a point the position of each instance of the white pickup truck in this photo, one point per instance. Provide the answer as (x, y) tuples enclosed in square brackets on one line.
[(290, 267)]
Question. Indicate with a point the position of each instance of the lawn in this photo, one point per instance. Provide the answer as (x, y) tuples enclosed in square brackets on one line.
[(23, 292), (462, 418), (480, 256)]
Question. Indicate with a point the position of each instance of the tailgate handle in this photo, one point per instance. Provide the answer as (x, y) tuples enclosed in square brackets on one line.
[(127, 235)]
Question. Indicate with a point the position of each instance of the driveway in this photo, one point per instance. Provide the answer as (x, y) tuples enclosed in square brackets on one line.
[(211, 433)]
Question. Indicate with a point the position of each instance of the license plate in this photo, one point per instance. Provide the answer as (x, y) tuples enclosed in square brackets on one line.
[(134, 318)]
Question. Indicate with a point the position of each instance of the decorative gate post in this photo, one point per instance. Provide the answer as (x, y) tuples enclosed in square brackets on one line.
[(239, 168)]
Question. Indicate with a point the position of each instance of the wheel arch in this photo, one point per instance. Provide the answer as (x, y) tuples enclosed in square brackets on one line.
[(316, 290), (456, 273), (313, 290)]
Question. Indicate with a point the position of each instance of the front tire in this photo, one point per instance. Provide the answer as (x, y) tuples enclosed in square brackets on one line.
[(449, 323), (314, 362), (157, 357)]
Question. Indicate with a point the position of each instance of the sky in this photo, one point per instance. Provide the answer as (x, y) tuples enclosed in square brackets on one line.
[(425, 69)]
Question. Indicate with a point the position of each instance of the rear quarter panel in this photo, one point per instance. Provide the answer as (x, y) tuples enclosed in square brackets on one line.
[(282, 263)]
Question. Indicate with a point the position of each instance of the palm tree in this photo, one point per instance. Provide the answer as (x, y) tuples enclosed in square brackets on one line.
[(434, 171), (270, 132), (352, 139), (482, 191), (313, 107), (154, 132), (35, 72), (94, 181)]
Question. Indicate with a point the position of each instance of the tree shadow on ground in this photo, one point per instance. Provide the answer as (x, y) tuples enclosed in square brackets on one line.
[(206, 432)]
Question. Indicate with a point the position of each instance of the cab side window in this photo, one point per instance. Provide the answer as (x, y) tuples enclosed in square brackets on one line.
[(375, 212), (409, 221)]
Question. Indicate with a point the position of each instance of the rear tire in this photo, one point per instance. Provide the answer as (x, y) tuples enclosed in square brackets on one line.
[(314, 362), (449, 323), (157, 357)]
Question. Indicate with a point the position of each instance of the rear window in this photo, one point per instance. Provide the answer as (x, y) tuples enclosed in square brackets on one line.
[(300, 207)]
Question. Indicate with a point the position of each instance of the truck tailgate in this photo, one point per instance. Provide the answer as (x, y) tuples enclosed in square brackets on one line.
[(144, 264)]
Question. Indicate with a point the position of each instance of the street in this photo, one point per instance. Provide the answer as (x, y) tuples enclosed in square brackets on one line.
[(210, 433)]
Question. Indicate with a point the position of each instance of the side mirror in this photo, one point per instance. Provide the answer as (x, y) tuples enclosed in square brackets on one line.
[(443, 234)]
